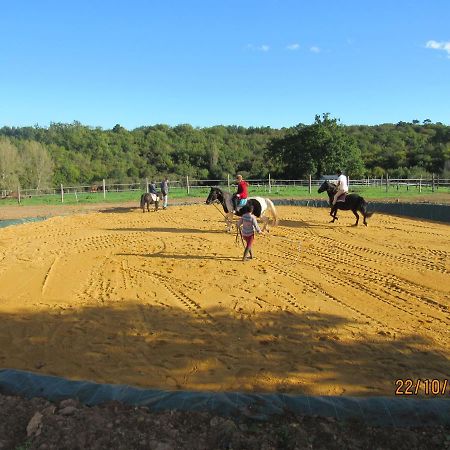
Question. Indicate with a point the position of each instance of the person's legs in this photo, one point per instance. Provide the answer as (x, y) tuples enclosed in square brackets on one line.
[(337, 195), (248, 248), (165, 201), (234, 201)]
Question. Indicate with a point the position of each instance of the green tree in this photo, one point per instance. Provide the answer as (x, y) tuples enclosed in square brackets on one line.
[(317, 149), (9, 165), (36, 165)]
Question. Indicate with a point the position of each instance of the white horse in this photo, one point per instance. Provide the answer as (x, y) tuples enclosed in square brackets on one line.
[(260, 207)]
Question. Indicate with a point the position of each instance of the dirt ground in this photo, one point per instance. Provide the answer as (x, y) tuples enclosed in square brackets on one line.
[(38, 424), (162, 300)]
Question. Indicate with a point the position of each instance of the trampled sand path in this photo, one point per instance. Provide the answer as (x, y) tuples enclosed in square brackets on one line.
[(162, 300)]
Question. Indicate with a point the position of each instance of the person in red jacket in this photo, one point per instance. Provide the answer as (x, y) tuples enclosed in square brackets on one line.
[(242, 192)]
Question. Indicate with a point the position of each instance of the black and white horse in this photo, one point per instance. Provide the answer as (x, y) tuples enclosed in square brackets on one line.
[(260, 207)]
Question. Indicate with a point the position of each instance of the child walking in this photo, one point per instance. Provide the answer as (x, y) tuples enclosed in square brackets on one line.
[(249, 225)]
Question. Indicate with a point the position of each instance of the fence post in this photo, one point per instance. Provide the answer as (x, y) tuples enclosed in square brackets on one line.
[(420, 184), (270, 185), (104, 189), (187, 184), (310, 185), (62, 194), (228, 181), (387, 181), (146, 185), (432, 182), (18, 194)]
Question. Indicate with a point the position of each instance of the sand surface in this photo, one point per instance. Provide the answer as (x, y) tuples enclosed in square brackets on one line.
[(163, 300)]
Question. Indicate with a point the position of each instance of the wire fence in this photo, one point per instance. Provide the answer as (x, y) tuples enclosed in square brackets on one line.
[(188, 187)]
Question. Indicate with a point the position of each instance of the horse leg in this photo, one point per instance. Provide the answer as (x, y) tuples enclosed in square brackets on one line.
[(156, 206), (266, 223), (333, 213), (229, 222), (356, 215)]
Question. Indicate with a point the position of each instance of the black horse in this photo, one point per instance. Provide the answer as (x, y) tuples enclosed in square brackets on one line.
[(353, 202), (260, 206), (147, 199)]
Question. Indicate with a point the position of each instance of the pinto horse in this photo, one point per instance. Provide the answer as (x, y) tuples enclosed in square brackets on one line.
[(149, 199), (260, 207), (353, 202)]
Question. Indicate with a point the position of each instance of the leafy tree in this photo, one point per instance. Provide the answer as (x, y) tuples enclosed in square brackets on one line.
[(36, 165), (320, 148), (9, 165)]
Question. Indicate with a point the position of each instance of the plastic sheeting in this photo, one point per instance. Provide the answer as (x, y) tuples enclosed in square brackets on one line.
[(9, 222), (429, 211), (379, 411)]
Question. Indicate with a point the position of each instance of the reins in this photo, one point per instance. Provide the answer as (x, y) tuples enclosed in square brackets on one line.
[(215, 205), (239, 233)]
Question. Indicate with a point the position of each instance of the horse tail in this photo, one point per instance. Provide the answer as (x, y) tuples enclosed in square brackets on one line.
[(273, 211), (142, 200), (364, 210)]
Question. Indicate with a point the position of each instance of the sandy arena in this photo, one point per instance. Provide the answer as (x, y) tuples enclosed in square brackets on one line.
[(163, 300)]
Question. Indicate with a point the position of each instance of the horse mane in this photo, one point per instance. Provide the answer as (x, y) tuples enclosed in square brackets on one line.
[(226, 198)]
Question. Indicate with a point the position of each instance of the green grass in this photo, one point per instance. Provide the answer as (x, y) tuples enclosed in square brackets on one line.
[(178, 193)]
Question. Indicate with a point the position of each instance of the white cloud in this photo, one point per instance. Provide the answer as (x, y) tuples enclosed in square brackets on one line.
[(445, 46), (315, 49), (259, 48), (293, 47)]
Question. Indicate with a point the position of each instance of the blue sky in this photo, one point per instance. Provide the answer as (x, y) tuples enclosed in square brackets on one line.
[(270, 63)]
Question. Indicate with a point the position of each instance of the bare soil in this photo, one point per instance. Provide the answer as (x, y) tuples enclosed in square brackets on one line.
[(38, 424)]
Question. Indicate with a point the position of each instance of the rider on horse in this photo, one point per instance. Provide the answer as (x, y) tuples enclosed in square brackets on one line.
[(341, 185), (241, 194), (152, 191)]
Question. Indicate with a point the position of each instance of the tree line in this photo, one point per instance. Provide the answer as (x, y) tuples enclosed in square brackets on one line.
[(37, 157)]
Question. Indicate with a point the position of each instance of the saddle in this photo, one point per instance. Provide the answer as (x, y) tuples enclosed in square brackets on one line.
[(342, 197)]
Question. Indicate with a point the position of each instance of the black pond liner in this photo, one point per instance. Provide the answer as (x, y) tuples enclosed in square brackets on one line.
[(428, 211), (373, 411), (9, 222)]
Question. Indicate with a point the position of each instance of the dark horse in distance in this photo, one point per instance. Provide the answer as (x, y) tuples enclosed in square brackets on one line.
[(149, 199), (260, 206), (353, 202)]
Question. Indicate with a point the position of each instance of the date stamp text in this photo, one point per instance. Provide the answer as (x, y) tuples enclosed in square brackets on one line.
[(410, 386)]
